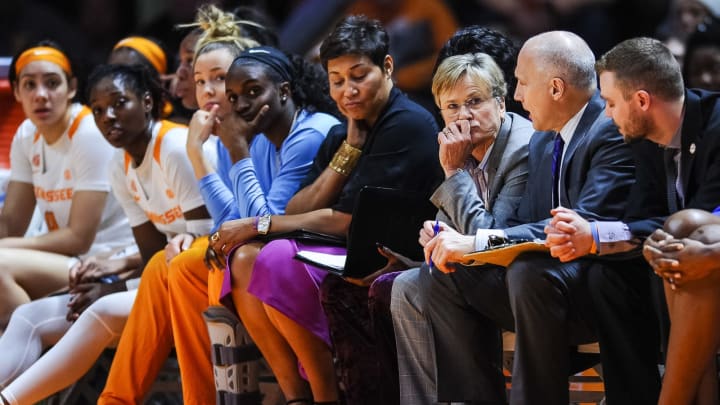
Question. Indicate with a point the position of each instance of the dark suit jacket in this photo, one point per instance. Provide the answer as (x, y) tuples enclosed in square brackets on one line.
[(597, 174), (699, 167)]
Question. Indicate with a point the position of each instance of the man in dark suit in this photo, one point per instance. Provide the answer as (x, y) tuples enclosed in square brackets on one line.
[(678, 132), (543, 300)]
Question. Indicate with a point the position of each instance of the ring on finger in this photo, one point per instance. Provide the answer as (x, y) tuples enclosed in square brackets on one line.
[(215, 237)]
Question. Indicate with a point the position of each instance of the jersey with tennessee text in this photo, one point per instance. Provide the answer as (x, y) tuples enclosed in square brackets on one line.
[(75, 162), (163, 186)]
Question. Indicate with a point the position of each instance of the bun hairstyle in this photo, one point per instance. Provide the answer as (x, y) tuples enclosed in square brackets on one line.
[(310, 88), (221, 29)]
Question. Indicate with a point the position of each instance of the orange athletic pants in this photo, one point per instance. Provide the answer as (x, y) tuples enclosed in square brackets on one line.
[(168, 307)]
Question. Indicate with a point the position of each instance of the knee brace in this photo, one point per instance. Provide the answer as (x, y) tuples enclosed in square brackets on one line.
[(236, 359)]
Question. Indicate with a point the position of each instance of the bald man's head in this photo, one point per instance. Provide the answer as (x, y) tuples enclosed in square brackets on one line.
[(565, 55), (556, 78)]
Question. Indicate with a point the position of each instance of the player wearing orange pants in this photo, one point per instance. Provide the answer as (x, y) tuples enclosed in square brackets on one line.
[(148, 335)]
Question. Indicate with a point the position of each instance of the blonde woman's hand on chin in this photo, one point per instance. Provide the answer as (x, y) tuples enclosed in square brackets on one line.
[(455, 146), (200, 128)]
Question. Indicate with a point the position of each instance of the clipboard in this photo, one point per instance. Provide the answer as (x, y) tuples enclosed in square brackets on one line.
[(332, 263), (503, 255)]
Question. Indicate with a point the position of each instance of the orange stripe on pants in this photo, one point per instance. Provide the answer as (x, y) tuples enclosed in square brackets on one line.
[(148, 334)]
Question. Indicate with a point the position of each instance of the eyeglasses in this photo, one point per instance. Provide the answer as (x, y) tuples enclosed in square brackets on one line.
[(473, 104)]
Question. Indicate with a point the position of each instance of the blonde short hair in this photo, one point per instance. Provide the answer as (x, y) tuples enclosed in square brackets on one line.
[(479, 67)]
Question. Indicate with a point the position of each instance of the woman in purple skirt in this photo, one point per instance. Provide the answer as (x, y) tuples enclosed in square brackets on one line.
[(389, 141)]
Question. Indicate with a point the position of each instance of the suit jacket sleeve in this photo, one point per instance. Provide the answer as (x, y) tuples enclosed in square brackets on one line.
[(458, 203), (647, 206), (457, 197)]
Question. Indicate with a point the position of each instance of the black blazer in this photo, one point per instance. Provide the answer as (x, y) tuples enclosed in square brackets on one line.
[(699, 167), (597, 174)]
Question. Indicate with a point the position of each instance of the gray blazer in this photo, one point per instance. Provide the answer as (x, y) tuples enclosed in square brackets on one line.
[(458, 198)]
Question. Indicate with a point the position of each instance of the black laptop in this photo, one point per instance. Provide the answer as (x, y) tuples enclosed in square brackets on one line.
[(390, 217)]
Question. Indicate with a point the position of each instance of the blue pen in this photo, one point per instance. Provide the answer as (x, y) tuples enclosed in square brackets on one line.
[(436, 230)]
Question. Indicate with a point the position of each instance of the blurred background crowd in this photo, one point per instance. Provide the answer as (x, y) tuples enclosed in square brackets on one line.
[(87, 29)]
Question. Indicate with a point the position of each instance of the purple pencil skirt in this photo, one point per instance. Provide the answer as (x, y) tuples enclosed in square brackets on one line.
[(291, 286)]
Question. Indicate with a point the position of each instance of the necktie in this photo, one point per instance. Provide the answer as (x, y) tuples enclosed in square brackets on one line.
[(483, 185), (558, 146), (671, 177)]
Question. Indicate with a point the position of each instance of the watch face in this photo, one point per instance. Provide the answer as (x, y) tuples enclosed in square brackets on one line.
[(264, 224)]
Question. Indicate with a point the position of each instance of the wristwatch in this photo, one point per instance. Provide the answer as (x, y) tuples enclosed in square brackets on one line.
[(263, 224)]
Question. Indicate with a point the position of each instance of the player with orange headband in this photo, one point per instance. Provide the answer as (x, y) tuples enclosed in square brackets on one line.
[(132, 50), (58, 160), (137, 50)]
